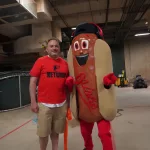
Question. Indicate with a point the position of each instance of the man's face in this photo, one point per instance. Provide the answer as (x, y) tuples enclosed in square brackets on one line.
[(53, 48)]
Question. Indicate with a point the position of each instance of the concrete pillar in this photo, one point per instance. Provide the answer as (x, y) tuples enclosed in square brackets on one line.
[(148, 21), (56, 31), (40, 32), (147, 17), (1, 49)]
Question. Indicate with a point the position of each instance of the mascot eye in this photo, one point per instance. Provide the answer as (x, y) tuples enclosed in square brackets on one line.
[(76, 45), (85, 44)]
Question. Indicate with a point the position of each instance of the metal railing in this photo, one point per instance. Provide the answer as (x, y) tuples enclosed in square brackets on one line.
[(14, 91)]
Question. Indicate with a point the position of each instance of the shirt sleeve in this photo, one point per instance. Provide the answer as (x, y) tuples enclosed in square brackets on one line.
[(36, 69)]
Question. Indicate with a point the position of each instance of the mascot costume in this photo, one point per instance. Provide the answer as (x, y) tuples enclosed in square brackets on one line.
[(93, 96)]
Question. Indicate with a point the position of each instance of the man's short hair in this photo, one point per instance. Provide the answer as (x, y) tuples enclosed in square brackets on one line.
[(53, 38)]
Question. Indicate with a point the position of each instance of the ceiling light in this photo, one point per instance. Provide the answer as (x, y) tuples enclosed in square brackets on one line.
[(142, 34), (146, 22), (73, 28)]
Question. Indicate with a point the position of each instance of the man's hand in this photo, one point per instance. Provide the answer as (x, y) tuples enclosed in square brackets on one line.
[(34, 107), (109, 79)]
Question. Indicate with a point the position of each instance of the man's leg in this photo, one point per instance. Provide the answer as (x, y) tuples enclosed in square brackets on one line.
[(44, 125), (58, 124), (54, 138), (86, 131), (43, 142), (104, 132)]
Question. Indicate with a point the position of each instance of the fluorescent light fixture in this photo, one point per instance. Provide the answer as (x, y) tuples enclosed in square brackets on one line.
[(142, 34), (73, 28)]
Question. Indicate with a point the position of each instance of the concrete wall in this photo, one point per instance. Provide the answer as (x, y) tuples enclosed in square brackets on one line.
[(137, 57), (28, 44), (56, 31)]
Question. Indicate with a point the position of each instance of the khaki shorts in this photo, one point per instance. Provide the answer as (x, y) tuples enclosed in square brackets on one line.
[(51, 120)]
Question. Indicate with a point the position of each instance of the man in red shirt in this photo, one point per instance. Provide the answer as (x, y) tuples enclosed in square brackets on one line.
[(51, 74)]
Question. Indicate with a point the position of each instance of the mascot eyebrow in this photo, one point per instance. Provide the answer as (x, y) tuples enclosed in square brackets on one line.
[(87, 35)]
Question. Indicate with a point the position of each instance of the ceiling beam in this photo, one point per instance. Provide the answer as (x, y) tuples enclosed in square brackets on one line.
[(10, 5), (70, 15), (130, 19), (68, 2), (87, 12), (139, 6)]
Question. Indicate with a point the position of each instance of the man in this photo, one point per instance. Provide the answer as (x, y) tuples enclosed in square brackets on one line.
[(51, 73)]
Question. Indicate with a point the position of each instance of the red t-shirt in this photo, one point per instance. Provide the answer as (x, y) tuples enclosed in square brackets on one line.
[(52, 74)]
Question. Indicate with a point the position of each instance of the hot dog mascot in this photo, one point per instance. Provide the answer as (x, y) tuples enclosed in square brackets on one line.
[(93, 96)]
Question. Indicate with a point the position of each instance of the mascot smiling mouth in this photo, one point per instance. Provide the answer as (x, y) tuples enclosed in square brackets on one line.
[(82, 59)]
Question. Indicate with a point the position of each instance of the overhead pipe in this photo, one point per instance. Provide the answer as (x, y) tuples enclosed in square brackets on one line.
[(91, 10), (122, 18), (107, 12), (133, 20), (124, 8), (62, 18), (131, 17), (148, 6), (136, 10)]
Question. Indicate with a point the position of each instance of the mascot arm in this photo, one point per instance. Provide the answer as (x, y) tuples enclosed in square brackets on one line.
[(108, 80), (107, 86), (69, 83)]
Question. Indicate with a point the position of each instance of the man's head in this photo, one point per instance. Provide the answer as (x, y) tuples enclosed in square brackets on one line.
[(53, 47)]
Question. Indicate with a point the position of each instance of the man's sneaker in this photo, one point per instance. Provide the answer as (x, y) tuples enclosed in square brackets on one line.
[(84, 149)]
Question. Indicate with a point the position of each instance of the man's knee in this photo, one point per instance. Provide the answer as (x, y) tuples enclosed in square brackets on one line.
[(44, 121), (54, 135)]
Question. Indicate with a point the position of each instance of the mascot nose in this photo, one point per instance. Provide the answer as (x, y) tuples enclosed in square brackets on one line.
[(81, 51)]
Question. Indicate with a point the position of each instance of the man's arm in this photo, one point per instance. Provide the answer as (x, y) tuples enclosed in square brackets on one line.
[(32, 90), (35, 74)]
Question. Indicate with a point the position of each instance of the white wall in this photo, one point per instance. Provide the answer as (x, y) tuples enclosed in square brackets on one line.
[(137, 57)]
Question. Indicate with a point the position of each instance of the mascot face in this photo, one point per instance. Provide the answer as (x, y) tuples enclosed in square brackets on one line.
[(84, 70), (83, 48)]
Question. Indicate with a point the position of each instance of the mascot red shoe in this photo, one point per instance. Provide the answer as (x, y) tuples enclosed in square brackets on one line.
[(93, 96)]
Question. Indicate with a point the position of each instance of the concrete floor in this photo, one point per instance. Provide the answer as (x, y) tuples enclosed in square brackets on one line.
[(131, 128)]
